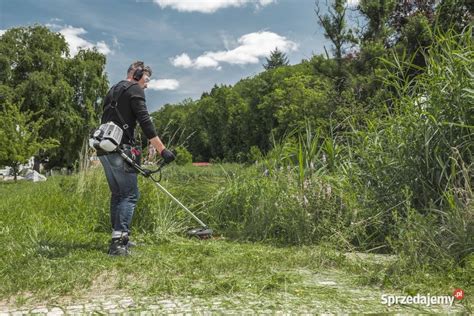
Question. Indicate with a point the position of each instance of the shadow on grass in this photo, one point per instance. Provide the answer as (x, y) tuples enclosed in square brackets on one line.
[(59, 249)]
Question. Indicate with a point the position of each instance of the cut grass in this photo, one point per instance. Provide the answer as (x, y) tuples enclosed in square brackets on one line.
[(262, 277), (54, 238)]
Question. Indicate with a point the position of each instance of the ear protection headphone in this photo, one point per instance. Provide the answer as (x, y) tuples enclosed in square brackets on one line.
[(138, 74)]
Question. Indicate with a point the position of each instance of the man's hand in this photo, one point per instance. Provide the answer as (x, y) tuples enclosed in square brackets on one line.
[(167, 155)]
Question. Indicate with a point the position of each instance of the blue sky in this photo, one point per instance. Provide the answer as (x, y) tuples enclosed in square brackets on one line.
[(190, 44)]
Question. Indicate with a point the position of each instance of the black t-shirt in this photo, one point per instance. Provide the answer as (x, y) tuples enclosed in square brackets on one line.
[(132, 107)]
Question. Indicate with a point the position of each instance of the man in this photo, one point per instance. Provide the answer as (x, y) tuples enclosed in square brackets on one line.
[(121, 177)]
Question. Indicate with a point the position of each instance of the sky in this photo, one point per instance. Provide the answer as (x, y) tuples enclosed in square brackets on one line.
[(191, 45)]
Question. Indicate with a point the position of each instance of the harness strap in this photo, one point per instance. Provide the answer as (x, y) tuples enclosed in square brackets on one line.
[(116, 94)]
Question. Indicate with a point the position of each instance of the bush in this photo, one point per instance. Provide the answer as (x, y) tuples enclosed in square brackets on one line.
[(183, 156)]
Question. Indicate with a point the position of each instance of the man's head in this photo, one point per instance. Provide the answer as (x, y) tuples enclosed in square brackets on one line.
[(139, 73)]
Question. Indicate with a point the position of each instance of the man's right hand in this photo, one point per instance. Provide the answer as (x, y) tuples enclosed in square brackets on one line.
[(168, 155)]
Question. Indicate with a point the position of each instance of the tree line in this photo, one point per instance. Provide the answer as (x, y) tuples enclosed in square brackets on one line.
[(232, 123), (50, 100)]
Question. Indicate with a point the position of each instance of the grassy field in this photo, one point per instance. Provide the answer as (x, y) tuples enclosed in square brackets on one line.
[(55, 234)]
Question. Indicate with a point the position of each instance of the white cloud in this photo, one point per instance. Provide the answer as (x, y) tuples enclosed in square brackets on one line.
[(252, 47), (75, 40), (103, 48), (206, 61), (2, 32), (208, 6), (352, 3), (182, 60), (163, 84)]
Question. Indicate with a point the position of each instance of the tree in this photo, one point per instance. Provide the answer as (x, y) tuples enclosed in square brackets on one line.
[(336, 30), (277, 59), (335, 27), (407, 9), (377, 14), (372, 49), (19, 136), (41, 77), (86, 76), (300, 99), (456, 14)]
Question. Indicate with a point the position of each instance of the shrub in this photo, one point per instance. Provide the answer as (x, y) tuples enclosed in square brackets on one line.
[(183, 156)]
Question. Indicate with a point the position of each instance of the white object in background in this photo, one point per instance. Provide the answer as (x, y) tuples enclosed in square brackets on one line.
[(34, 176)]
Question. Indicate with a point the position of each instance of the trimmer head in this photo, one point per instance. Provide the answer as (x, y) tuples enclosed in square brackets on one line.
[(201, 233)]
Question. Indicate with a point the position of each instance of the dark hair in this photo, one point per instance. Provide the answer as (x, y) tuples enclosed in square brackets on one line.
[(138, 64)]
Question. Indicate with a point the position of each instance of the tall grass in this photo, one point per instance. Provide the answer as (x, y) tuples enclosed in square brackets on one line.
[(401, 183), (55, 235), (418, 159)]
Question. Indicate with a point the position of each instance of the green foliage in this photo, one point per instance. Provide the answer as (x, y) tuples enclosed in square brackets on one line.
[(369, 151), (377, 14), (335, 27), (279, 207), (67, 233), (400, 182), (298, 99), (277, 59), (228, 121), (183, 156), (19, 136), (255, 154), (40, 75), (454, 14), (382, 162), (439, 125), (62, 225)]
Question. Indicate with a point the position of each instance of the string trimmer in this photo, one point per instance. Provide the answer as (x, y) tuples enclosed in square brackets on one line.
[(204, 232)]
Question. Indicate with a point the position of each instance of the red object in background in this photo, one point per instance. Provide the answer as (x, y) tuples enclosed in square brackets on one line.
[(201, 164), (458, 294)]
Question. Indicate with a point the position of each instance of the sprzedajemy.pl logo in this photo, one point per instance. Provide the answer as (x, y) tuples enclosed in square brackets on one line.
[(418, 299)]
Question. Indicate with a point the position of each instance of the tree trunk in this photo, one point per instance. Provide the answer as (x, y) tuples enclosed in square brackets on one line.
[(36, 164), (15, 172)]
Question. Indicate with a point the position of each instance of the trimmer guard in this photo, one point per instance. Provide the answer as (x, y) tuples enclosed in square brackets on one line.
[(201, 233)]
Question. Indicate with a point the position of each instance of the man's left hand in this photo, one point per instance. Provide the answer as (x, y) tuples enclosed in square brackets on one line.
[(168, 155)]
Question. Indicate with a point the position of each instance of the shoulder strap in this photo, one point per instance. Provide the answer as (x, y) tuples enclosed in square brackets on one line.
[(116, 94)]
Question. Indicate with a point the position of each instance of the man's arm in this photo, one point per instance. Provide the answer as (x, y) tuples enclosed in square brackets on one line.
[(158, 144), (144, 119)]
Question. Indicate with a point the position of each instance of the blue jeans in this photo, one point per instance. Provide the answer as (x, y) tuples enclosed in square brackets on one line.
[(123, 185)]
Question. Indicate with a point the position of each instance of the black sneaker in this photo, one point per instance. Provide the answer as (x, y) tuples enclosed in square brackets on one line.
[(118, 247), (131, 244)]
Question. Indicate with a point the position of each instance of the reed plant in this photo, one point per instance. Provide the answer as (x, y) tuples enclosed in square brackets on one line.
[(399, 183)]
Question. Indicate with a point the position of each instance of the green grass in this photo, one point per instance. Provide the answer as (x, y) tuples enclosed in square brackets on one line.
[(55, 234)]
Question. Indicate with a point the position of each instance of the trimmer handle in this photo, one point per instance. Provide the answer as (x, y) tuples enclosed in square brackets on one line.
[(144, 172), (149, 172)]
